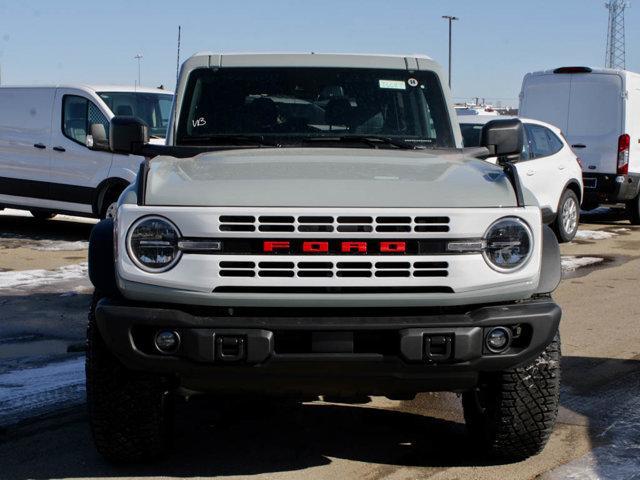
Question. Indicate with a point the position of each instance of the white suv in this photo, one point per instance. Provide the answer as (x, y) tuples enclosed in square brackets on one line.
[(548, 167)]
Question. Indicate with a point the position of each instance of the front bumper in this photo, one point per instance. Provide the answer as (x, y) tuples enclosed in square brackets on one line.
[(317, 351)]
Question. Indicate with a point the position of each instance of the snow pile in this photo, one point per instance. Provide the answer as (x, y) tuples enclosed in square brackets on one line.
[(37, 278), (594, 235), (35, 391), (571, 263), (54, 246)]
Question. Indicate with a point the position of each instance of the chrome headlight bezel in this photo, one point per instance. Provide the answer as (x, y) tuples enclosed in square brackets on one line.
[(136, 260), (527, 229)]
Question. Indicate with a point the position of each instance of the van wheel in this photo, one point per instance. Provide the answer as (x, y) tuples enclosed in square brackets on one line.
[(568, 217), (633, 210), (42, 214), (129, 411), (110, 204), (512, 413)]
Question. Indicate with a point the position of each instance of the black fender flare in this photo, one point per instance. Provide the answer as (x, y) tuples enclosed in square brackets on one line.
[(101, 190), (102, 271), (551, 266)]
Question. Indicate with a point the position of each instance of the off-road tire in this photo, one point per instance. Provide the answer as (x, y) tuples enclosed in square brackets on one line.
[(512, 413), (42, 214), (559, 225), (129, 412), (633, 210)]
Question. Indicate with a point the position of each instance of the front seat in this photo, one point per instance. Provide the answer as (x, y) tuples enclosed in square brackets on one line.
[(262, 114), (338, 112), (124, 110)]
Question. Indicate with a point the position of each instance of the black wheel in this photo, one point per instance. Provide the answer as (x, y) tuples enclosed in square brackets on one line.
[(512, 413), (633, 210), (42, 214), (568, 218), (129, 412)]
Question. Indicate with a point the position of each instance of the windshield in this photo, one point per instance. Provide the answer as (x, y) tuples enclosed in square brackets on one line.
[(294, 104), (153, 108)]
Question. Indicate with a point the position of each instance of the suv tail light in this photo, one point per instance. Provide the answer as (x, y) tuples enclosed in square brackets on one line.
[(624, 142)]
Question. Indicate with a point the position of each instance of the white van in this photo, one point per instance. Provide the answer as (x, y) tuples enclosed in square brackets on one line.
[(45, 165), (598, 110)]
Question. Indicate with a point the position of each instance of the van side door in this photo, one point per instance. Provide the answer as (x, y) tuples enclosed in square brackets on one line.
[(25, 134), (75, 169)]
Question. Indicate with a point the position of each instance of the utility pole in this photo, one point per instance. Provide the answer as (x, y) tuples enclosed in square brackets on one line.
[(451, 20), (138, 57), (178, 62), (615, 56)]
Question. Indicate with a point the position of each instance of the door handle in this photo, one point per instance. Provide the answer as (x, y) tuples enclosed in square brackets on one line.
[(59, 149), (579, 145), (531, 172), (41, 146)]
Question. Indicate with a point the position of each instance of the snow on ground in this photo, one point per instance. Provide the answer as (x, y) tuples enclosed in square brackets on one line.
[(10, 212), (571, 263), (56, 245), (594, 235), (35, 391), (38, 278)]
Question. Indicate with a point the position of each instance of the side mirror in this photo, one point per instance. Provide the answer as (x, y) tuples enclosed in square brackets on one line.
[(97, 139), (127, 134), (503, 138)]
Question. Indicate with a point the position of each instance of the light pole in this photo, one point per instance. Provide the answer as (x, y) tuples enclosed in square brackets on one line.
[(138, 57), (451, 20)]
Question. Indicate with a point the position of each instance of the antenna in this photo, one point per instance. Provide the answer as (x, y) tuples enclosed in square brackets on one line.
[(615, 56), (178, 62)]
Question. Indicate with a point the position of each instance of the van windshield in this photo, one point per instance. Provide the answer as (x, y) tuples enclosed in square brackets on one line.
[(291, 105), (153, 108)]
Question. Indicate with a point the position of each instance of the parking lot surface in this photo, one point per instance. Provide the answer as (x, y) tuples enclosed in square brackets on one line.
[(44, 296)]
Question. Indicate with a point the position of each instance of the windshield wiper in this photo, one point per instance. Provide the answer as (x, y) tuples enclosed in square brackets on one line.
[(374, 141), (235, 140)]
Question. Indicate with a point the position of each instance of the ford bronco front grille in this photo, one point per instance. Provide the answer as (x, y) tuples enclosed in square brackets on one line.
[(325, 269), (328, 224)]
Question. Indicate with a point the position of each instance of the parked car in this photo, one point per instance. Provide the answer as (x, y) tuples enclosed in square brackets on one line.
[(45, 164), (597, 109), (547, 166), (359, 252)]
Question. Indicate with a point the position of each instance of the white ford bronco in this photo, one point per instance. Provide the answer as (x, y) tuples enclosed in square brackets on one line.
[(314, 227)]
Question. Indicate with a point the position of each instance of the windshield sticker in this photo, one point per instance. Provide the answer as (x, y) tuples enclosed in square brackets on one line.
[(201, 122), (412, 82), (392, 84)]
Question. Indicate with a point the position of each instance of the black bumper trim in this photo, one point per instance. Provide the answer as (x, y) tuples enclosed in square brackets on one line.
[(197, 365)]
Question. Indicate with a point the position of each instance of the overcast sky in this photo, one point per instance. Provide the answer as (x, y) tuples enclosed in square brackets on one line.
[(495, 42)]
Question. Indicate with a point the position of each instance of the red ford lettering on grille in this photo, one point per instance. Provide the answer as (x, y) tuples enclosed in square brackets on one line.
[(273, 246), (393, 247), (354, 247), (315, 247)]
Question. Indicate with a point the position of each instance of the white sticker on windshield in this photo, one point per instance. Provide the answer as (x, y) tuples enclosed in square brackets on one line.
[(392, 84)]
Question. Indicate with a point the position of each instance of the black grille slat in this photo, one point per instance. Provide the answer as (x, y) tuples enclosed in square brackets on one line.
[(393, 220), (237, 219), (275, 219), (354, 265), (355, 228), (315, 219), (393, 228), (439, 265), (315, 273), (237, 265), (393, 265), (431, 228), (355, 220), (430, 273), (237, 273), (237, 228), (316, 265), (354, 273), (432, 220), (393, 273), (276, 265), (275, 273), (315, 228), (276, 228), (332, 290)]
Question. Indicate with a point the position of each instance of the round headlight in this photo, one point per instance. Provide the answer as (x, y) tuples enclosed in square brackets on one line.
[(153, 244), (509, 244)]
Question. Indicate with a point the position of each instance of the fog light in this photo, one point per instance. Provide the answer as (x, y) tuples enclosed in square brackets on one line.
[(498, 339), (167, 341)]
